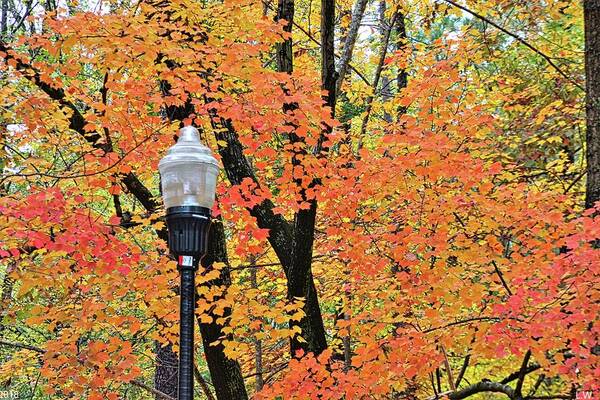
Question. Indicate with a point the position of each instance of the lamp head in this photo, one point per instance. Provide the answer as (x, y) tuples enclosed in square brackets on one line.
[(188, 172), (188, 181)]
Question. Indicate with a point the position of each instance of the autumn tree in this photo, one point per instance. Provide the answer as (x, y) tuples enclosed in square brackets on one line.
[(430, 242)]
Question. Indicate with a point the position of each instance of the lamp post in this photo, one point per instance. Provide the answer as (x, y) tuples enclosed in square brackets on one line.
[(188, 180)]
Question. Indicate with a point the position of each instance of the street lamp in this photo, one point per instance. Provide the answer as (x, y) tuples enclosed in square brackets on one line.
[(188, 180)]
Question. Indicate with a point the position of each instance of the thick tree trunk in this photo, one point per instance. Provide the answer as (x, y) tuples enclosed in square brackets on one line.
[(165, 375), (300, 281), (592, 72), (225, 373), (300, 278)]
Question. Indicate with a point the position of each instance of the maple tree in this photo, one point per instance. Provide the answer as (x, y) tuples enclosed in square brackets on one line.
[(405, 210)]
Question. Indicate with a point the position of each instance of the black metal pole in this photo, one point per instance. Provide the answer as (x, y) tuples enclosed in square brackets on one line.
[(186, 333)]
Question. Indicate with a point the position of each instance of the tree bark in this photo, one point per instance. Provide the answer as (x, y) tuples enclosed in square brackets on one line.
[(165, 374), (591, 9), (4, 18), (402, 76), (300, 281), (226, 374), (329, 76), (386, 90), (258, 357), (357, 15), (285, 57), (300, 278)]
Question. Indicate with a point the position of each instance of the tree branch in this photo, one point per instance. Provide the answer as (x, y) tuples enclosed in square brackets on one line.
[(499, 273), (463, 370), (518, 39), (344, 61), (155, 392), (522, 373), (22, 346), (382, 56), (515, 375), (77, 123), (312, 38), (203, 384), (483, 386)]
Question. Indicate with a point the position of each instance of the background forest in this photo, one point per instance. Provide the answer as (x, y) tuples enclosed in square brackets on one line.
[(406, 208)]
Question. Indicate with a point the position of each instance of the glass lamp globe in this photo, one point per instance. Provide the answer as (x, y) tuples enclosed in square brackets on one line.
[(188, 172)]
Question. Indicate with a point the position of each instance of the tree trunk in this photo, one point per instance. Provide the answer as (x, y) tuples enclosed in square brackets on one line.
[(4, 19), (402, 77), (386, 90), (225, 373), (285, 57), (300, 281), (592, 71), (328, 73), (165, 375), (258, 358), (300, 278), (357, 15)]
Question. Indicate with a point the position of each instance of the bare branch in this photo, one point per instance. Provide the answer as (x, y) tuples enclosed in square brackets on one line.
[(155, 392), (522, 373), (318, 43), (483, 386), (499, 273), (463, 369), (22, 346), (382, 56), (203, 384)]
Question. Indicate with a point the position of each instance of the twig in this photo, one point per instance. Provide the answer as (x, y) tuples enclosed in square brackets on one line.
[(463, 370), (462, 321), (22, 346), (151, 390), (448, 370), (515, 375), (577, 179), (382, 56), (499, 273), (203, 383)]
